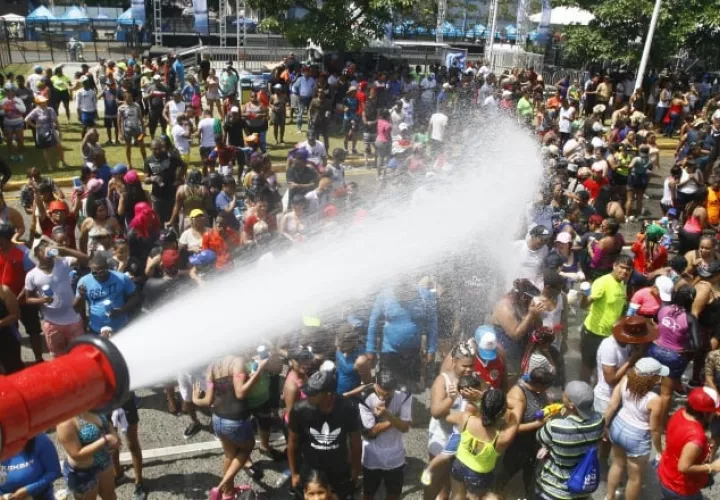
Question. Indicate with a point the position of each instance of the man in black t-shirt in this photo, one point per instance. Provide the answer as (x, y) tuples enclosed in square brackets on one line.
[(320, 429), (161, 172)]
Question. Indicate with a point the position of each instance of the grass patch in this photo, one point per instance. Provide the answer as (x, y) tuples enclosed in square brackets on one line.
[(16, 69)]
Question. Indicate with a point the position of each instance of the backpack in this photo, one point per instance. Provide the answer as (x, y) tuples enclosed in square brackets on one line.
[(585, 476)]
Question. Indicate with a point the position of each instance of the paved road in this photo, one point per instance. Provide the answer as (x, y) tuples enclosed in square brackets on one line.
[(179, 468)]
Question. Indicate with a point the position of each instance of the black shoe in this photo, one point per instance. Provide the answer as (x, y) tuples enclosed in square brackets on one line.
[(255, 473), (275, 455), (140, 493), (191, 430)]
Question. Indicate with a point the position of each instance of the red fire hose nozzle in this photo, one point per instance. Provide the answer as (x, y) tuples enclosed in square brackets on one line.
[(91, 376)]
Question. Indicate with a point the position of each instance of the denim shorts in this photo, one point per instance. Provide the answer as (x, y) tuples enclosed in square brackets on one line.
[(235, 431), (475, 482), (80, 481), (14, 128), (87, 118), (676, 361), (636, 442), (452, 444)]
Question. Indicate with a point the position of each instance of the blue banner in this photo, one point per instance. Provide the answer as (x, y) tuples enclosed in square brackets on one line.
[(200, 10), (138, 11), (544, 26)]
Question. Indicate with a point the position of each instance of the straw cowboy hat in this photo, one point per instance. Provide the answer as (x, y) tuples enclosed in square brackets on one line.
[(635, 330)]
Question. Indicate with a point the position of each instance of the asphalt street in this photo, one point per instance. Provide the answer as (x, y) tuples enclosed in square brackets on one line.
[(179, 468)]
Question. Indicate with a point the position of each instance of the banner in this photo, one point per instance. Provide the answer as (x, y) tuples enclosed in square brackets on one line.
[(138, 11), (455, 58), (200, 10), (544, 27)]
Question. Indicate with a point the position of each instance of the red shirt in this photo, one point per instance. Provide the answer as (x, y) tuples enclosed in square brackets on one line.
[(492, 373), (14, 264), (254, 219), (594, 186), (47, 225), (681, 431), (641, 263)]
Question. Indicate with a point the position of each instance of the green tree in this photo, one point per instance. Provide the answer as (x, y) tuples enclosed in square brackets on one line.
[(335, 24), (467, 8)]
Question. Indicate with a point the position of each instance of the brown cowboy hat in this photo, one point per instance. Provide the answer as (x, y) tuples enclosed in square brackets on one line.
[(635, 330)]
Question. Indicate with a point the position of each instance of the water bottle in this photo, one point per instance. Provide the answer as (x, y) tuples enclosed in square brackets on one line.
[(53, 253), (284, 478), (47, 291), (632, 309), (586, 288), (107, 303)]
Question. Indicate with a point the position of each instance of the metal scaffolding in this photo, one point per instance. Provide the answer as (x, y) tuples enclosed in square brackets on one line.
[(222, 18), (157, 21)]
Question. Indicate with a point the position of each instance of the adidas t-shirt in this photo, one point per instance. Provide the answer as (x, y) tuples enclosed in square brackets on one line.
[(324, 436)]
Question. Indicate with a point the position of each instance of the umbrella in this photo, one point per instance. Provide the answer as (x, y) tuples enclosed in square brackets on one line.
[(563, 16)]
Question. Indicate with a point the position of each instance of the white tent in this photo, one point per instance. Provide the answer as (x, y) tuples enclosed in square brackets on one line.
[(12, 18), (563, 16)]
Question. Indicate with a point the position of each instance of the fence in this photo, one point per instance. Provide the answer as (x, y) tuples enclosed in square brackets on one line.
[(508, 60), (49, 41), (553, 75)]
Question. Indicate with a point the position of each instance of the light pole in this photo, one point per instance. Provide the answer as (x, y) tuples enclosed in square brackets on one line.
[(648, 44), (493, 26)]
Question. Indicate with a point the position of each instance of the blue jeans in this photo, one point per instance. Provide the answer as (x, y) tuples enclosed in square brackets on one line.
[(670, 127), (666, 494), (302, 107), (236, 431), (675, 361)]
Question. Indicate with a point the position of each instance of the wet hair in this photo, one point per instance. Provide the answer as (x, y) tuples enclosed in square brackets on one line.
[(92, 205), (462, 350), (678, 263), (675, 171), (7, 231), (492, 406), (541, 377), (386, 379), (623, 260), (471, 381), (684, 297), (300, 354), (314, 476), (347, 333)]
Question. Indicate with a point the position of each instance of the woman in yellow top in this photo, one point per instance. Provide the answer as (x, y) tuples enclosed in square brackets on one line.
[(60, 91), (482, 441)]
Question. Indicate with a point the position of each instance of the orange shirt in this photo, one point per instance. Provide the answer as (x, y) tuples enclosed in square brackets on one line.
[(713, 206)]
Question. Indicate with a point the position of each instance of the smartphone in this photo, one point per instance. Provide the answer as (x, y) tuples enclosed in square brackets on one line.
[(238, 212), (77, 184)]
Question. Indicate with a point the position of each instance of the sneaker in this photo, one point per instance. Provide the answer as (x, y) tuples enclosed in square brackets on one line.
[(426, 478), (140, 493), (191, 430), (108, 143)]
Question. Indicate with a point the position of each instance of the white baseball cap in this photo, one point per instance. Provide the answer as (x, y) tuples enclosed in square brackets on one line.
[(651, 366), (666, 287), (563, 238)]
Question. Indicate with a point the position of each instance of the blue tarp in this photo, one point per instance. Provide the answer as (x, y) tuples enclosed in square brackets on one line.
[(40, 15), (126, 19), (74, 15)]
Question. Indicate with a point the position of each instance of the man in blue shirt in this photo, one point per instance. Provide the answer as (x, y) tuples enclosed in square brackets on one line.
[(102, 285), (304, 88), (179, 69)]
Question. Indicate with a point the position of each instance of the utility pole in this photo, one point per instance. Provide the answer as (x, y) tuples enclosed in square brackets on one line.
[(648, 44), (491, 40)]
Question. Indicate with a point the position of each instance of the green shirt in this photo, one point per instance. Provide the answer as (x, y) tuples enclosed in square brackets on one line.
[(60, 82), (608, 303), (524, 107), (260, 391)]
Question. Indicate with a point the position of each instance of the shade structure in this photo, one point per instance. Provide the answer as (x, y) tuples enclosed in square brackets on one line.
[(12, 18), (479, 28), (126, 19), (74, 15), (565, 16), (40, 15)]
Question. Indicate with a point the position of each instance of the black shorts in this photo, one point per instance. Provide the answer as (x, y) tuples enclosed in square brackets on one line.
[(405, 367), (619, 180), (373, 478), (30, 318), (638, 182), (131, 410), (63, 96), (262, 415), (205, 152), (110, 122), (589, 345)]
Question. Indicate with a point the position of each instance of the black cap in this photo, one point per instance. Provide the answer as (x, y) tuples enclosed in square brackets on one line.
[(540, 231), (583, 195), (320, 383)]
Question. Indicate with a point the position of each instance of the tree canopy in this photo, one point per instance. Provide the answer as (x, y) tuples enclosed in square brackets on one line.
[(620, 26), (336, 24)]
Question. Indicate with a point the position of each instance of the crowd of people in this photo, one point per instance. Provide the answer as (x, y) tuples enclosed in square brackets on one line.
[(342, 386)]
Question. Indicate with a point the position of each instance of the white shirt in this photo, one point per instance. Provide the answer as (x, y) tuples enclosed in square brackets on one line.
[(609, 354), (438, 122), (206, 126), (182, 143), (490, 102), (530, 262), (32, 82), (192, 242), (566, 118), (316, 153), (86, 100), (175, 109), (386, 451), (60, 311), (408, 109)]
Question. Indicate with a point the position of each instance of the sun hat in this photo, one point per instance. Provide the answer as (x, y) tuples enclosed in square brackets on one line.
[(666, 287), (635, 330), (704, 400), (651, 366), (581, 395)]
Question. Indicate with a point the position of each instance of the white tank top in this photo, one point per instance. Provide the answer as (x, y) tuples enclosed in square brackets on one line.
[(175, 109), (439, 430), (667, 193), (635, 412)]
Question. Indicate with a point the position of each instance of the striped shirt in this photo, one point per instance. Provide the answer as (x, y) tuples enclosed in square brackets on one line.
[(567, 439)]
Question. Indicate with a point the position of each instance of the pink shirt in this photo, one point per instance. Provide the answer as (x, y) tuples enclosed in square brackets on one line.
[(673, 328), (649, 303), (384, 129)]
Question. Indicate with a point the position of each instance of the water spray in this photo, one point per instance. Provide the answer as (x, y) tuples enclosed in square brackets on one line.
[(91, 376)]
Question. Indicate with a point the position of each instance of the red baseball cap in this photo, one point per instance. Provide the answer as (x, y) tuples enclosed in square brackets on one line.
[(57, 206), (704, 400), (170, 258)]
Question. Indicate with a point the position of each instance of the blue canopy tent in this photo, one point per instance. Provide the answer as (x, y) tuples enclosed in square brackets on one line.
[(449, 29), (126, 19), (406, 27), (38, 19), (476, 31), (74, 15), (510, 32)]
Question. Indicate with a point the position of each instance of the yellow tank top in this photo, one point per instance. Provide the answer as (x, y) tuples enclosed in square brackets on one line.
[(477, 455), (713, 206)]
